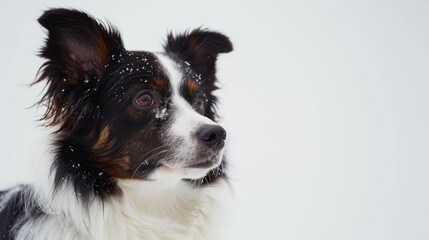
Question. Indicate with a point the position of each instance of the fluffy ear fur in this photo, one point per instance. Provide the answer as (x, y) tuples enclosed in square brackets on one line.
[(76, 49), (199, 48)]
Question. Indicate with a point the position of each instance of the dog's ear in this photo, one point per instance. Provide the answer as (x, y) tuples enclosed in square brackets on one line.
[(199, 49), (77, 49), (77, 44)]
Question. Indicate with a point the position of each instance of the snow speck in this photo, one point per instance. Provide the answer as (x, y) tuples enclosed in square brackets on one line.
[(161, 113)]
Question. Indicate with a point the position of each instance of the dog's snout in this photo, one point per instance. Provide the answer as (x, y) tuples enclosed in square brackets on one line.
[(213, 136)]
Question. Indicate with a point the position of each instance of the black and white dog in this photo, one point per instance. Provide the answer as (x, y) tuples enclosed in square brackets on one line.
[(137, 151)]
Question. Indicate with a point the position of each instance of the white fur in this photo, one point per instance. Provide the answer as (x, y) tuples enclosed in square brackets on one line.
[(165, 208), (186, 123)]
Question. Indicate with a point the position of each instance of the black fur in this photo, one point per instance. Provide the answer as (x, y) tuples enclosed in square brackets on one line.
[(20, 207)]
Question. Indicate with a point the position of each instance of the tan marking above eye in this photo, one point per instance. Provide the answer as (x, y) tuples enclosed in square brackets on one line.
[(191, 85), (159, 83)]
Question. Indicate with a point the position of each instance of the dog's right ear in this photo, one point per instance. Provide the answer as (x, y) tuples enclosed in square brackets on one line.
[(77, 49)]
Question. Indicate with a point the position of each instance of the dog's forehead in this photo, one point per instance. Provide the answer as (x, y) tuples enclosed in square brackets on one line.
[(172, 71), (156, 68), (180, 75), (136, 62), (131, 68), (173, 78)]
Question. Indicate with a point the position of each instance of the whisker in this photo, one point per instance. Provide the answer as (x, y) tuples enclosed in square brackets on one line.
[(146, 160), (153, 150), (213, 156)]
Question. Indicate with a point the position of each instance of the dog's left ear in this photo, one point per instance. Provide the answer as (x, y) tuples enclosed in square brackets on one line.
[(199, 49)]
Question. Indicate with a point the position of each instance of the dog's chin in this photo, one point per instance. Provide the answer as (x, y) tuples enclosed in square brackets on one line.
[(175, 173), (198, 170), (195, 173)]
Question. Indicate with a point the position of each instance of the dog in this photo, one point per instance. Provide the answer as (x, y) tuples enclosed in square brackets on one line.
[(137, 150)]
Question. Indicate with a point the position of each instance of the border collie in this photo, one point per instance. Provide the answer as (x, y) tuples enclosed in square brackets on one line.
[(137, 152)]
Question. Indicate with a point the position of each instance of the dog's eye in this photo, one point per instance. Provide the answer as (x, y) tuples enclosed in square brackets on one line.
[(199, 104), (144, 99)]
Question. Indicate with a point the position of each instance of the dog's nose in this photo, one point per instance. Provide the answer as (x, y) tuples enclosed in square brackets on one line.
[(213, 136)]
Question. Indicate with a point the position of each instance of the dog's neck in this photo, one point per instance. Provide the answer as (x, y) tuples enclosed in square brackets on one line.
[(175, 210), (144, 210)]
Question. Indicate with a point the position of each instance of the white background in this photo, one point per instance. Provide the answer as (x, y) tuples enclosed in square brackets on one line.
[(326, 104)]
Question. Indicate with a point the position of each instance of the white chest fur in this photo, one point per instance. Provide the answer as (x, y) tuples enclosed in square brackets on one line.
[(144, 211), (176, 212)]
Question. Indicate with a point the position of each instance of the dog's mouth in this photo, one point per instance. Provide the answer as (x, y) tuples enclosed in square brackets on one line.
[(192, 170), (206, 164), (212, 160)]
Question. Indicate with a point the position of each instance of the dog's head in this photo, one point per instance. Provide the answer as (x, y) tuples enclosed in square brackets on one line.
[(130, 114)]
